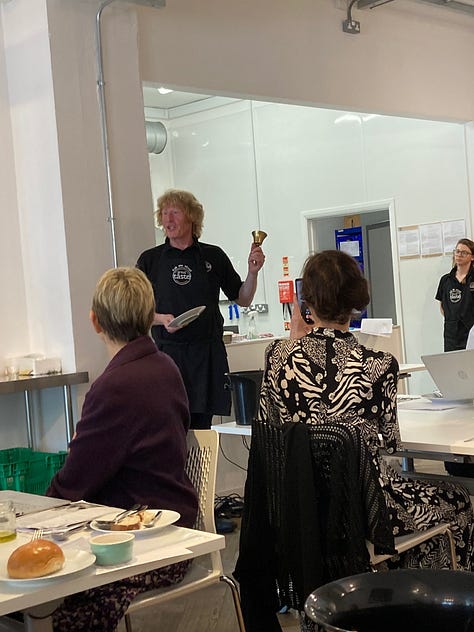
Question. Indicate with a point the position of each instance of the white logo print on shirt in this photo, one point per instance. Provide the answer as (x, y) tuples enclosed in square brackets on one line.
[(455, 295), (181, 274)]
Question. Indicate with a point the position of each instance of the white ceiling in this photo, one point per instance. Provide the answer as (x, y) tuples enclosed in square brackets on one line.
[(153, 99)]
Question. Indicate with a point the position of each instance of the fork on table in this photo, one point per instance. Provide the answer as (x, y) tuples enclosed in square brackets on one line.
[(37, 534)]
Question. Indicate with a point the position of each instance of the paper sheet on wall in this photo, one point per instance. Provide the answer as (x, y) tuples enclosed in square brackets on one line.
[(452, 233), (431, 239), (408, 241), (350, 247)]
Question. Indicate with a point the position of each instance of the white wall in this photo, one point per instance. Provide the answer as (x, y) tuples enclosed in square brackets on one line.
[(51, 116), (13, 315), (409, 59), (309, 159)]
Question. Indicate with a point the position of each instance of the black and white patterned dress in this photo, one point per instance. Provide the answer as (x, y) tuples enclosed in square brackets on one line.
[(327, 376)]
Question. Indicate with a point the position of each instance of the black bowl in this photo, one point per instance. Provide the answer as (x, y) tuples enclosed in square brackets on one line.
[(409, 600)]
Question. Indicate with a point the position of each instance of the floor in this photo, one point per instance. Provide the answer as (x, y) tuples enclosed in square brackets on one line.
[(208, 610)]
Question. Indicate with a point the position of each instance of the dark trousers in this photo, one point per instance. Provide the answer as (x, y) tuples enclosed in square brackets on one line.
[(460, 469)]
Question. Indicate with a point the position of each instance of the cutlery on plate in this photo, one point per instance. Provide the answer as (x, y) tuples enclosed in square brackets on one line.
[(49, 530), (152, 522), (105, 524), (63, 533), (37, 534)]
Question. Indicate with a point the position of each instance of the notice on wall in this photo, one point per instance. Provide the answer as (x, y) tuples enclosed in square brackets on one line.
[(452, 232), (431, 239), (350, 247), (408, 242)]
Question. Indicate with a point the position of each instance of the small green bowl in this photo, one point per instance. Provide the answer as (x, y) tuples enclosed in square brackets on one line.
[(112, 548)]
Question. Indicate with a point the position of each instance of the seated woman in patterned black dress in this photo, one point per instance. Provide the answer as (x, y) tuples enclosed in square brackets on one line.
[(323, 375)]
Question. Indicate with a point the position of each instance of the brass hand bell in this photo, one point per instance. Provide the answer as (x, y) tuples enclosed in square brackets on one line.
[(258, 236)]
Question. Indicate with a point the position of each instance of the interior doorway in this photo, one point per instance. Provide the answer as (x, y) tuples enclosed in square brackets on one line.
[(380, 271), (380, 262)]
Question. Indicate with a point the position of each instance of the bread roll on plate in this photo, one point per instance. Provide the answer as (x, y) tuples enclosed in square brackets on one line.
[(35, 559)]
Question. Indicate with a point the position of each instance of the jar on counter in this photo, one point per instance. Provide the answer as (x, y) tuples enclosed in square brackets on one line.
[(7, 521), (252, 326)]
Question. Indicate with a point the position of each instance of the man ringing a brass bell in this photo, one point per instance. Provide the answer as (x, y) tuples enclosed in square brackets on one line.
[(187, 276)]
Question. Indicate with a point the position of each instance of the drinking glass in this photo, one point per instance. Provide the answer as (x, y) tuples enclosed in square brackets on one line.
[(7, 521)]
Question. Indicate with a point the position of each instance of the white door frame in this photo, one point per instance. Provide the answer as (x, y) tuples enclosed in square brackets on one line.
[(309, 237)]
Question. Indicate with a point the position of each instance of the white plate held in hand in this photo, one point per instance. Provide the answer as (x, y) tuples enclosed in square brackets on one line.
[(187, 317)]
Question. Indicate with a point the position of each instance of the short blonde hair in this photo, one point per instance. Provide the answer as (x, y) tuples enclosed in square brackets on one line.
[(186, 201), (124, 304)]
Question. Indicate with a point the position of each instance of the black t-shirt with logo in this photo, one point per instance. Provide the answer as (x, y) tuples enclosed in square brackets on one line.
[(457, 300)]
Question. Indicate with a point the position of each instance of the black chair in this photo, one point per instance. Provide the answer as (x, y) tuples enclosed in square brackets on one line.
[(312, 500)]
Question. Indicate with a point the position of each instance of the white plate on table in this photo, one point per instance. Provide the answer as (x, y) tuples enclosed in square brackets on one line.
[(187, 317), (76, 560), (167, 517)]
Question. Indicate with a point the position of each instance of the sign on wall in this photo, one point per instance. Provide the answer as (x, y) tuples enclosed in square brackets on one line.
[(431, 239)]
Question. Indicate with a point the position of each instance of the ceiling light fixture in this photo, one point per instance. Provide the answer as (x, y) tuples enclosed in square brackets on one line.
[(162, 90)]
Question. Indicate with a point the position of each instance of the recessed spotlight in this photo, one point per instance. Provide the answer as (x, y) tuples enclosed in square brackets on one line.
[(162, 90)]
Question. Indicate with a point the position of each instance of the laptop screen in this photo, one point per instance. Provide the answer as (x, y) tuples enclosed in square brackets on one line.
[(453, 373)]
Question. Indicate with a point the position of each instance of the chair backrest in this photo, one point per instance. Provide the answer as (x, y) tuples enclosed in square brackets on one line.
[(312, 498), (201, 467)]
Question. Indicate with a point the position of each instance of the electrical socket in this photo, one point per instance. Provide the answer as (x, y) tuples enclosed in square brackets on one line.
[(260, 308), (351, 26)]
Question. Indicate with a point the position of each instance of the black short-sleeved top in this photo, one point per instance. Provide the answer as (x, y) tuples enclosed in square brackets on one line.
[(457, 301), (181, 280)]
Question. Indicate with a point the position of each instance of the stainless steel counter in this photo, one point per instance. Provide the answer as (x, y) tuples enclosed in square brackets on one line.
[(27, 384)]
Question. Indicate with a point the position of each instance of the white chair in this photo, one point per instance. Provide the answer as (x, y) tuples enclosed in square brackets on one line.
[(405, 542), (201, 467)]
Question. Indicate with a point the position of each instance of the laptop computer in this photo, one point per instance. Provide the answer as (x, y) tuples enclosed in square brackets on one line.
[(453, 374)]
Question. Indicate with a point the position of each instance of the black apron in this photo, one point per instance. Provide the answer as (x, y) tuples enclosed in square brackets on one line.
[(183, 282)]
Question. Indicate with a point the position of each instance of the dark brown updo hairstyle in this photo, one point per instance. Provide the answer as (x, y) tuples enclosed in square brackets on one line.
[(333, 286)]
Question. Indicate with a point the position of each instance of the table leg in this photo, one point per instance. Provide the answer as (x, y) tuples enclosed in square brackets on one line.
[(29, 424), (32, 624), (407, 464), (39, 619), (68, 413)]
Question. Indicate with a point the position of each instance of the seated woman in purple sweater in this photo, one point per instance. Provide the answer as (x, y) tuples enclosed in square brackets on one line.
[(130, 444)]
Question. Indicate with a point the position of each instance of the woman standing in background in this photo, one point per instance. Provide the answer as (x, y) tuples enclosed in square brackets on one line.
[(456, 296)]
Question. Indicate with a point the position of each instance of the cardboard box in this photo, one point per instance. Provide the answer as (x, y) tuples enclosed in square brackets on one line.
[(350, 221)]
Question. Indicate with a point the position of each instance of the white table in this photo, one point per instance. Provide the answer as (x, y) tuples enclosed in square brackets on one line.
[(232, 428), (406, 369), (152, 551), (436, 434), (425, 432), (447, 432)]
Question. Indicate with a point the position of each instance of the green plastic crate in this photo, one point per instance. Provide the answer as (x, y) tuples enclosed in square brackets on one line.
[(13, 476), (15, 455), (26, 470)]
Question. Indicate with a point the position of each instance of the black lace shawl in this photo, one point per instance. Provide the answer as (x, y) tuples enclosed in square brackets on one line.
[(312, 498)]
